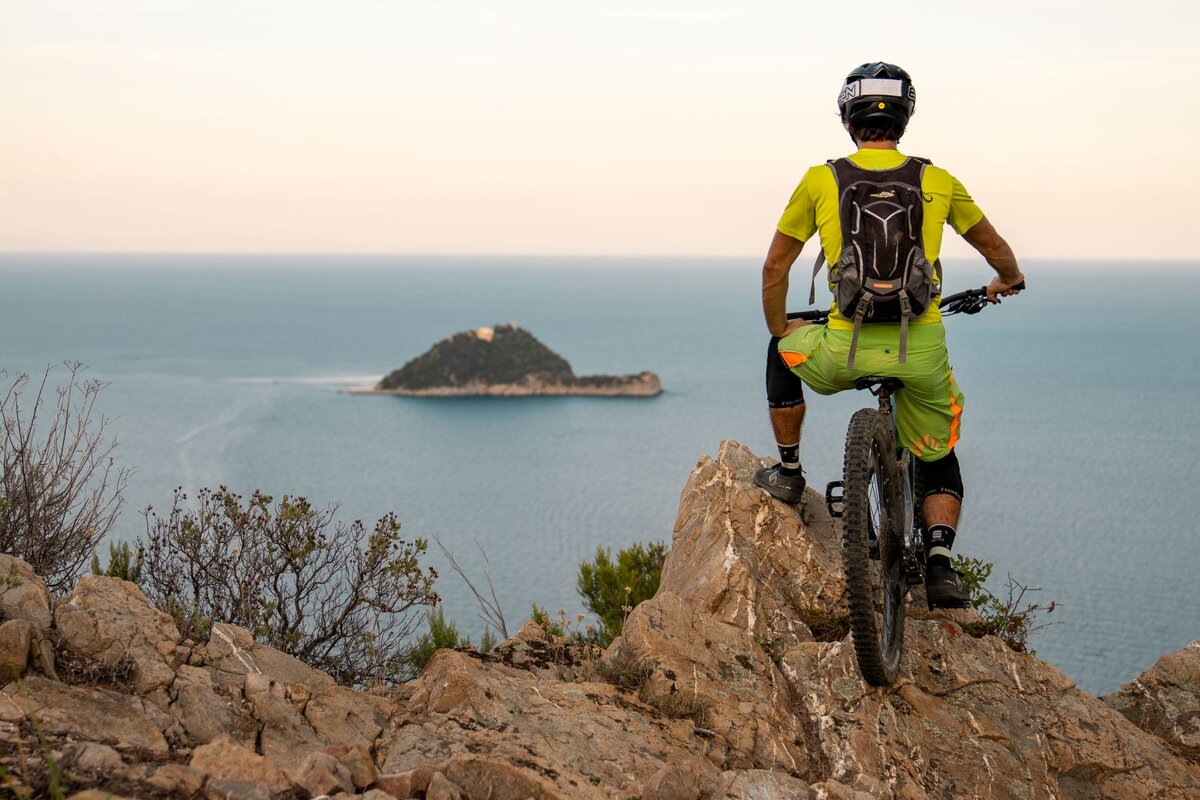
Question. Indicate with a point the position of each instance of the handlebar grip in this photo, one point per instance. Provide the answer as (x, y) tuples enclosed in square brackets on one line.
[(816, 313)]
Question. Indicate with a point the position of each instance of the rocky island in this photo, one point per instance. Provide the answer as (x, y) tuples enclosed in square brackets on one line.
[(506, 361)]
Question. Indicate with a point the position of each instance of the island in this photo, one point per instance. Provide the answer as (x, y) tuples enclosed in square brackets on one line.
[(504, 360)]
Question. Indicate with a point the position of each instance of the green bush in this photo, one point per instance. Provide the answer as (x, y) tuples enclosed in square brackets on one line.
[(441, 635), (340, 597), (610, 589), (123, 563), (1011, 618)]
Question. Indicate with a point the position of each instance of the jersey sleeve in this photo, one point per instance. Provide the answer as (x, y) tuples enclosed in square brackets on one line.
[(963, 211), (799, 219)]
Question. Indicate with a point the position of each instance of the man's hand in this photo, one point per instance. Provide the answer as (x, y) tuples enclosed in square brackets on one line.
[(999, 287), (793, 325)]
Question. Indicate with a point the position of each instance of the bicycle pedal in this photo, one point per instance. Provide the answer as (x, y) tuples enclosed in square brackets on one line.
[(835, 499)]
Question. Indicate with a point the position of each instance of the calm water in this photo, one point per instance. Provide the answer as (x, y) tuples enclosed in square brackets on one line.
[(1080, 436)]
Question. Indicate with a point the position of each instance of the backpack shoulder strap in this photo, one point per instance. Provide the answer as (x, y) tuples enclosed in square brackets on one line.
[(812, 285)]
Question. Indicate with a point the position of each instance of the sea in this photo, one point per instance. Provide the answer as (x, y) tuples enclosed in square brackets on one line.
[(1079, 441)]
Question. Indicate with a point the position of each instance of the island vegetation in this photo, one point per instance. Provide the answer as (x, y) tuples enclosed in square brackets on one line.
[(503, 360)]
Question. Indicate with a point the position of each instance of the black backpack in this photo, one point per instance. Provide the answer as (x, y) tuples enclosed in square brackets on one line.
[(882, 274)]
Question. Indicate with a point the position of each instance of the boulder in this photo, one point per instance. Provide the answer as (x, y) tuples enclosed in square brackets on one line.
[(225, 789), (108, 620), (177, 780), (232, 653), (203, 714), (84, 714), (321, 774), (1165, 700), (410, 783), (23, 594), (745, 559), (763, 784), (715, 672), (485, 724), (225, 760), (440, 788), (358, 761), (286, 737), (340, 716), (16, 636)]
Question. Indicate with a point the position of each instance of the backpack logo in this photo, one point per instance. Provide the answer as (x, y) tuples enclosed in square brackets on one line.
[(884, 195)]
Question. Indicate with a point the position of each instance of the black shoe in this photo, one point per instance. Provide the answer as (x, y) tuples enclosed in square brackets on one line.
[(944, 587), (788, 488)]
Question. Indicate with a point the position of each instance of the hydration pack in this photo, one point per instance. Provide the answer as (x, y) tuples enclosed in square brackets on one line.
[(882, 274)]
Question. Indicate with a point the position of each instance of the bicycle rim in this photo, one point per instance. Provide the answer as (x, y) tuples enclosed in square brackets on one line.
[(874, 514)]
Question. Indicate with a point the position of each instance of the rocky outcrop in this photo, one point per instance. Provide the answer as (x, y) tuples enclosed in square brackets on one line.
[(736, 680), (23, 594), (1165, 700)]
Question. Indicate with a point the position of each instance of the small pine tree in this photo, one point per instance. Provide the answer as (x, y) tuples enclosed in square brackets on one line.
[(611, 589), (441, 635), (123, 563)]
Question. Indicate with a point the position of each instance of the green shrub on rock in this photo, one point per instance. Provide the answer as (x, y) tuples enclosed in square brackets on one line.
[(123, 563), (340, 597), (610, 589)]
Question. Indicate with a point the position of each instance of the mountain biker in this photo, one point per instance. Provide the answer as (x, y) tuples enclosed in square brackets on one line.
[(876, 102)]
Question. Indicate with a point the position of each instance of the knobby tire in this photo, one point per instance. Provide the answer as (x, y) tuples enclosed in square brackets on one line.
[(875, 587)]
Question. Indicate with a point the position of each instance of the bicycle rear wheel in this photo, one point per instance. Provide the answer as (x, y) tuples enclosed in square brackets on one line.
[(872, 546)]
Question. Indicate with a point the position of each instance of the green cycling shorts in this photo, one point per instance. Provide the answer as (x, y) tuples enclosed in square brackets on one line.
[(928, 408)]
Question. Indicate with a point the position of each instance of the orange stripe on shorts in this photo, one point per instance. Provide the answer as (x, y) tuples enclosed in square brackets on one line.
[(792, 358), (957, 411)]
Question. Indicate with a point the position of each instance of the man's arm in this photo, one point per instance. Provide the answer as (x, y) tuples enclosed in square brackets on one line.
[(780, 257), (991, 245)]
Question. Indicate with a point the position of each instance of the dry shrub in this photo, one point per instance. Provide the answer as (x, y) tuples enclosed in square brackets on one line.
[(340, 597), (60, 486)]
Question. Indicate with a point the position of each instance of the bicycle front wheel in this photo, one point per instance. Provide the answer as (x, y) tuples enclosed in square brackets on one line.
[(872, 546)]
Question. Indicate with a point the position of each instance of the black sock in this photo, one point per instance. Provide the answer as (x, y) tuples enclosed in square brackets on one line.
[(789, 458), (938, 541)]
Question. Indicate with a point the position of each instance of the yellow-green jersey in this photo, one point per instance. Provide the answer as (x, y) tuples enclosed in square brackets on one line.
[(814, 208)]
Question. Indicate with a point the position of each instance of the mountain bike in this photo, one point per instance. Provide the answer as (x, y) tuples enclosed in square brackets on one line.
[(883, 550)]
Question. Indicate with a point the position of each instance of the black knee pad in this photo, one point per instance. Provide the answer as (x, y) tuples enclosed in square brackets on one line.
[(941, 476), (784, 387)]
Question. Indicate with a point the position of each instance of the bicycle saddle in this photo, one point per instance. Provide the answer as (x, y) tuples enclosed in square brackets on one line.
[(871, 381)]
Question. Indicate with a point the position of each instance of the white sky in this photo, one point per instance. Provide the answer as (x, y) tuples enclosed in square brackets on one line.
[(548, 126)]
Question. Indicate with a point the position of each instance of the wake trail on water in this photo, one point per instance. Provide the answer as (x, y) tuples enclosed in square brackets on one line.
[(225, 433), (320, 381)]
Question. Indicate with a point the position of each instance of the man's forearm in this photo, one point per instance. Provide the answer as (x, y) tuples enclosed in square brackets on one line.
[(1004, 261), (780, 257), (991, 245), (774, 297)]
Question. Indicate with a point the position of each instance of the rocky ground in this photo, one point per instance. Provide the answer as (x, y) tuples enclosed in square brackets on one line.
[(722, 686)]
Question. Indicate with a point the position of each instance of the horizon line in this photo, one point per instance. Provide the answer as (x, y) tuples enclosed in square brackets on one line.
[(420, 254)]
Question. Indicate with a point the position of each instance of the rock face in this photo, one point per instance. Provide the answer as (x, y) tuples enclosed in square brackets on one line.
[(1165, 700), (503, 361), (732, 682)]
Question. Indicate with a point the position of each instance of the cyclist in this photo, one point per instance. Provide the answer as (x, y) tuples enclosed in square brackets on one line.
[(876, 103)]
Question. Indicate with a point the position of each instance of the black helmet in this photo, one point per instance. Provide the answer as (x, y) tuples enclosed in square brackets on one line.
[(877, 95)]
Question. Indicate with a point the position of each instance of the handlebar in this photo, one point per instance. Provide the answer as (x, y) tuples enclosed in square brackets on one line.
[(971, 301)]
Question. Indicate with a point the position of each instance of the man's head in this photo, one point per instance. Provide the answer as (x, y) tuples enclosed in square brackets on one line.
[(876, 102)]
